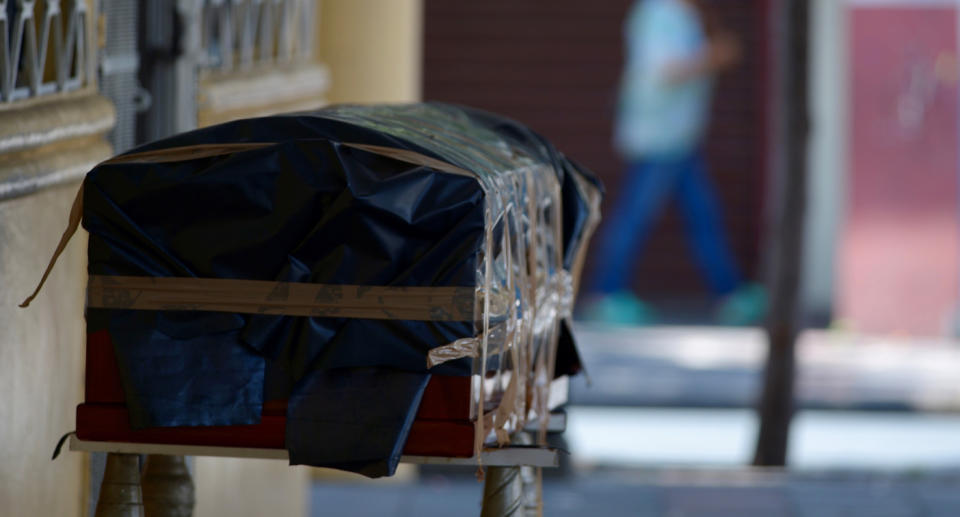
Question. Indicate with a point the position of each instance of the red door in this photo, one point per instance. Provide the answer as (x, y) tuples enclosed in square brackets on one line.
[(898, 263)]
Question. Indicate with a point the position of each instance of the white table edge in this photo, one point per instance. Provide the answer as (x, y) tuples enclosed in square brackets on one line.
[(492, 457)]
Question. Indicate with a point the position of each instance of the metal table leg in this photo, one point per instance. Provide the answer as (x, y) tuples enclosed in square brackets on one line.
[(168, 489), (503, 493), (120, 492)]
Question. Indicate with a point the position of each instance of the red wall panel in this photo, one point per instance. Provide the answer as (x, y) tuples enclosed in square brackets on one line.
[(555, 66), (898, 261)]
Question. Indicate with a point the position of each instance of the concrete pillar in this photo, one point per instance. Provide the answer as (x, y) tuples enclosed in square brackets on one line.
[(827, 171), (41, 356), (373, 49)]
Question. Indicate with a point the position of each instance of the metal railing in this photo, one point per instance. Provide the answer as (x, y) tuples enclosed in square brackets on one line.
[(43, 52), (238, 35)]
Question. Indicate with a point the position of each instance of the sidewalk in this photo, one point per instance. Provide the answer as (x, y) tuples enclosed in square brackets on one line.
[(667, 493), (688, 366)]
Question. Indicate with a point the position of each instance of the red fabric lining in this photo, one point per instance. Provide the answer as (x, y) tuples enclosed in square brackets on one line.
[(442, 426)]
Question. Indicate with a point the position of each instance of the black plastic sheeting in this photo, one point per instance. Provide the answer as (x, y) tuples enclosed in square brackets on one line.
[(307, 209)]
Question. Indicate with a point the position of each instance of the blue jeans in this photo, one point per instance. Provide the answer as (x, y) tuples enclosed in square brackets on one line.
[(649, 184)]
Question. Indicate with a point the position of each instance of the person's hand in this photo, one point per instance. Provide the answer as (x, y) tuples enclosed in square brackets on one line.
[(724, 51)]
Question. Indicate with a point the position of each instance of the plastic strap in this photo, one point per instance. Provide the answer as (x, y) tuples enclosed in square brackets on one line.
[(76, 214), (465, 347)]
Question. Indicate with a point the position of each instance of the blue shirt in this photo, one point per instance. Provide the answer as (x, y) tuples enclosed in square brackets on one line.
[(655, 117)]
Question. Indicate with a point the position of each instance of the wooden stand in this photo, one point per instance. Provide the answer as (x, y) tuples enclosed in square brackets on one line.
[(167, 487), (511, 489), (513, 492), (120, 494), (503, 493)]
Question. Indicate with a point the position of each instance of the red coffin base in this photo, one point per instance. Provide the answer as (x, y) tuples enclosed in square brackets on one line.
[(442, 426)]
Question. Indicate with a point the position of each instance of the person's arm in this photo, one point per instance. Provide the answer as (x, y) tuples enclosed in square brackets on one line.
[(722, 52)]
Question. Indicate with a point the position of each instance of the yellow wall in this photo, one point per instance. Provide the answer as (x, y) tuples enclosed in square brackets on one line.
[(250, 488), (373, 49), (41, 357)]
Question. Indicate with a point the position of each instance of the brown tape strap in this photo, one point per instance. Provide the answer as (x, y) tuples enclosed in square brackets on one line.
[(187, 152), (193, 152), (286, 298), (412, 157)]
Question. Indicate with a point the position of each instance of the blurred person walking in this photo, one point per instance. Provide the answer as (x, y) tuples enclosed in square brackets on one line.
[(673, 50)]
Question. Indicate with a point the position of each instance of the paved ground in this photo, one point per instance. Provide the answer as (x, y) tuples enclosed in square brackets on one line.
[(725, 438), (667, 493), (689, 366)]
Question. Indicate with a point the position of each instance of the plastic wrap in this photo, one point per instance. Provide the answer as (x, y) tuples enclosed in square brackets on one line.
[(242, 262)]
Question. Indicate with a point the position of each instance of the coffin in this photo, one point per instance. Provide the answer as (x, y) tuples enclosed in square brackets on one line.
[(350, 284)]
